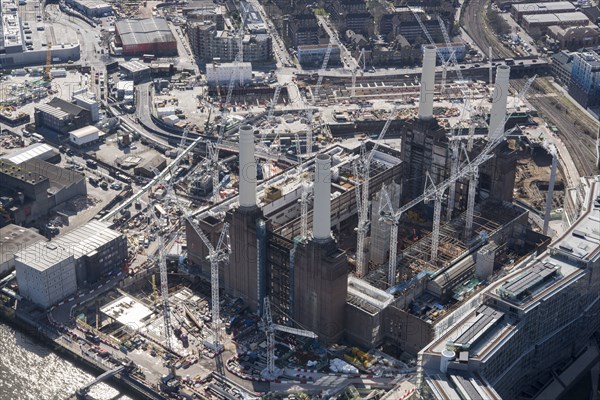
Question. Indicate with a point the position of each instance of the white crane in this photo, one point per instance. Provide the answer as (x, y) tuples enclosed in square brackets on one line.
[(451, 53), (356, 67), (304, 210), (216, 254), (443, 61), (270, 149), (388, 215), (315, 97), (271, 372), (164, 285), (361, 171), (213, 148), (274, 102)]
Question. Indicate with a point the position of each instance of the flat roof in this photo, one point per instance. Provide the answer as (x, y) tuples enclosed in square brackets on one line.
[(582, 241), (134, 66), (24, 172), (127, 311), (82, 241), (577, 16), (520, 286), (543, 7), (92, 4), (14, 238), (48, 109), (486, 319), (42, 151)]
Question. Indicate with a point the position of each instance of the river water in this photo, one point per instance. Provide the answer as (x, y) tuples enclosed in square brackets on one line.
[(29, 370)]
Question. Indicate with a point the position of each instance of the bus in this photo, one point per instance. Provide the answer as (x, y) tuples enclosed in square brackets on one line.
[(37, 138)]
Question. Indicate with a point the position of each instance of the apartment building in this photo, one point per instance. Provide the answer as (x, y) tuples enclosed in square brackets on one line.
[(530, 332), (585, 78)]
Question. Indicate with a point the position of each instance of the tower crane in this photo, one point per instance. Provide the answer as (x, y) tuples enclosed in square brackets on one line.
[(388, 215), (451, 53), (270, 372), (213, 148), (274, 102), (216, 254), (356, 67), (47, 73), (270, 149), (304, 210), (361, 171), (443, 61), (164, 286), (316, 96)]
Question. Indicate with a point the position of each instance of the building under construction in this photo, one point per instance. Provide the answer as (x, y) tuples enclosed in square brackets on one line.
[(309, 277)]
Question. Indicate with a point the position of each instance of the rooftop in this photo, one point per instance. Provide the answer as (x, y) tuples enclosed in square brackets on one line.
[(556, 18), (134, 66), (547, 7), (150, 30), (66, 106), (14, 238), (85, 131), (48, 109), (24, 172), (77, 243), (531, 282), (36, 150)]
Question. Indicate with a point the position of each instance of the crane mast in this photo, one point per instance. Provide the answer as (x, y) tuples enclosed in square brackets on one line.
[(214, 151), (356, 67), (468, 169), (361, 171), (216, 254), (270, 371), (164, 285), (316, 96)]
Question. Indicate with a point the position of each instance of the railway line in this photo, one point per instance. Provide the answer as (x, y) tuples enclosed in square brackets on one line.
[(576, 128), (571, 123), (474, 22)]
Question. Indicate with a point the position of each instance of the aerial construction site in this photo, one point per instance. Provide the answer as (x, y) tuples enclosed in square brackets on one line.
[(213, 203)]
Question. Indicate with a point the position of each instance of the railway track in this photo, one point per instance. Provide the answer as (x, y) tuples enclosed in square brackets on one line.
[(474, 22), (552, 105), (570, 121)]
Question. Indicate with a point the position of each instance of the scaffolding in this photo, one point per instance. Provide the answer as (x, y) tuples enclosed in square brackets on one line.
[(416, 258)]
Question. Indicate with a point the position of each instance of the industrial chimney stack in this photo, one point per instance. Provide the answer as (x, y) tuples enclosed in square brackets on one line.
[(322, 199), (247, 196), (427, 83), (499, 102)]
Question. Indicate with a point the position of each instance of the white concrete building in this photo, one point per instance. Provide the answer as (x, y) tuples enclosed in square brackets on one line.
[(84, 136), (221, 73), (48, 278)]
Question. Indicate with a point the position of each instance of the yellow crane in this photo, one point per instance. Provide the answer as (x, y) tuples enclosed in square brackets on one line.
[(48, 61)]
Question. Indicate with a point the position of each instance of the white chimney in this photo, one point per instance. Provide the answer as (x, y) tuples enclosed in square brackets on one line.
[(322, 199), (247, 168), (427, 83), (499, 101)]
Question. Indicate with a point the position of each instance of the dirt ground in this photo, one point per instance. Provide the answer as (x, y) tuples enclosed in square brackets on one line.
[(531, 181)]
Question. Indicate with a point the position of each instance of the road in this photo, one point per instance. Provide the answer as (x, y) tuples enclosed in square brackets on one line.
[(345, 57), (284, 59)]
